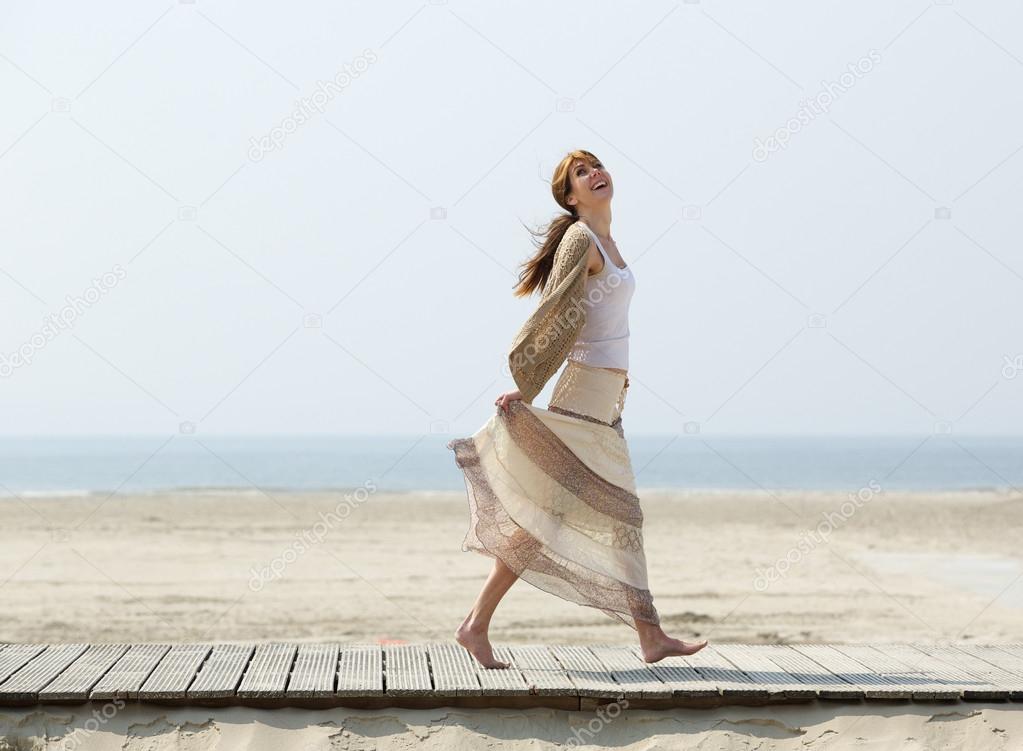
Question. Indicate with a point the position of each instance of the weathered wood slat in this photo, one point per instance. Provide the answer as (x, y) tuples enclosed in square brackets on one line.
[(759, 668), (75, 683), (996, 656), (634, 676), (874, 686), (126, 677), (730, 681), (453, 670), (541, 671), (969, 685), (29, 680), (360, 670), (996, 675), (175, 673), (407, 671), (502, 681), (681, 677), (15, 656), (807, 671), (266, 676), (222, 672), (917, 682), (1011, 649), (315, 671), (586, 672)]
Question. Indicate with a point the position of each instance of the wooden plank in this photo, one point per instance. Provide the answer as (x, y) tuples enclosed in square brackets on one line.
[(267, 675), (29, 680), (407, 671), (453, 668), (634, 676), (682, 678), (586, 671), (754, 663), (360, 670), (541, 671), (222, 672), (978, 666), (874, 686), (729, 680), (1011, 649), (314, 673), (807, 671), (15, 656), (502, 681), (75, 683), (969, 685), (921, 686), (996, 656), (175, 673), (126, 677)]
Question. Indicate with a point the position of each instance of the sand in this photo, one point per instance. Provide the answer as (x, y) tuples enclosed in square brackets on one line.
[(727, 566)]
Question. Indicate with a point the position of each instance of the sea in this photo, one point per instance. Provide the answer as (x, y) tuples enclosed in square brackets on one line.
[(36, 466)]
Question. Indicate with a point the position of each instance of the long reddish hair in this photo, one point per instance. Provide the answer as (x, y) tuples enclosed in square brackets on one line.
[(537, 270)]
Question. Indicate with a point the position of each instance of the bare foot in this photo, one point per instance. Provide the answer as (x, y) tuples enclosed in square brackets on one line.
[(479, 647), (668, 647)]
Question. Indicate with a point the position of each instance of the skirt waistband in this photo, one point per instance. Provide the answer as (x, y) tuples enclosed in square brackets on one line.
[(590, 392)]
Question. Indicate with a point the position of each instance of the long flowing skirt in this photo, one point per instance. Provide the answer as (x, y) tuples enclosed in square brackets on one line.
[(553, 495)]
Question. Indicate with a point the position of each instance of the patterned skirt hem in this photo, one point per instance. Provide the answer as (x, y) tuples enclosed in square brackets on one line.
[(494, 533)]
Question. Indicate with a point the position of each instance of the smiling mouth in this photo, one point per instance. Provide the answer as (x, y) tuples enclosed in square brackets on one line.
[(599, 185)]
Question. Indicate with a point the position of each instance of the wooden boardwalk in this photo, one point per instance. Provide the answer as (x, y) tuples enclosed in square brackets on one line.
[(443, 674)]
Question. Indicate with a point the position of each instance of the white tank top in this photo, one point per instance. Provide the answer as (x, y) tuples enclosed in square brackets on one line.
[(604, 339)]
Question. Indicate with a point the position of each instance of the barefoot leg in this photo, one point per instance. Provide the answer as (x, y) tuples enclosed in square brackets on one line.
[(472, 634)]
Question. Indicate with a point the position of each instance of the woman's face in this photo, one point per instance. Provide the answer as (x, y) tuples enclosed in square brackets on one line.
[(591, 184)]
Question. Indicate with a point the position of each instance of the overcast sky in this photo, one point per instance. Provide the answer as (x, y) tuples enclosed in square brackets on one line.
[(308, 218)]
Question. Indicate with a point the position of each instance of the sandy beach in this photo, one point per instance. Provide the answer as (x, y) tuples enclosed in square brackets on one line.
[(366, 566), (725, 566)]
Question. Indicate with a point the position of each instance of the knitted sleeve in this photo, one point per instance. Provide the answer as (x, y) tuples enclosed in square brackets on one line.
[(545, 339)]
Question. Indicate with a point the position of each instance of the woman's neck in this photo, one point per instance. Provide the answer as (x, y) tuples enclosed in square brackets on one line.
[(599, 223)]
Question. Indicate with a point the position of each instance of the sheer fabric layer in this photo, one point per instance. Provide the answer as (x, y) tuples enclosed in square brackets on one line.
[(552, 494)]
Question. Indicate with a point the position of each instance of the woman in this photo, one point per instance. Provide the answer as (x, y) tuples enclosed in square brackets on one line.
[(552, 495)]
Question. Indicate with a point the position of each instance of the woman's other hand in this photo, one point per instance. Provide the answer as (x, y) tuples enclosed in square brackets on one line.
[(506, 398)]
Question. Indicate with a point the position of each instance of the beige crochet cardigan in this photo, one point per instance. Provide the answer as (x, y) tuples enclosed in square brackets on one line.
[(545, 339)]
